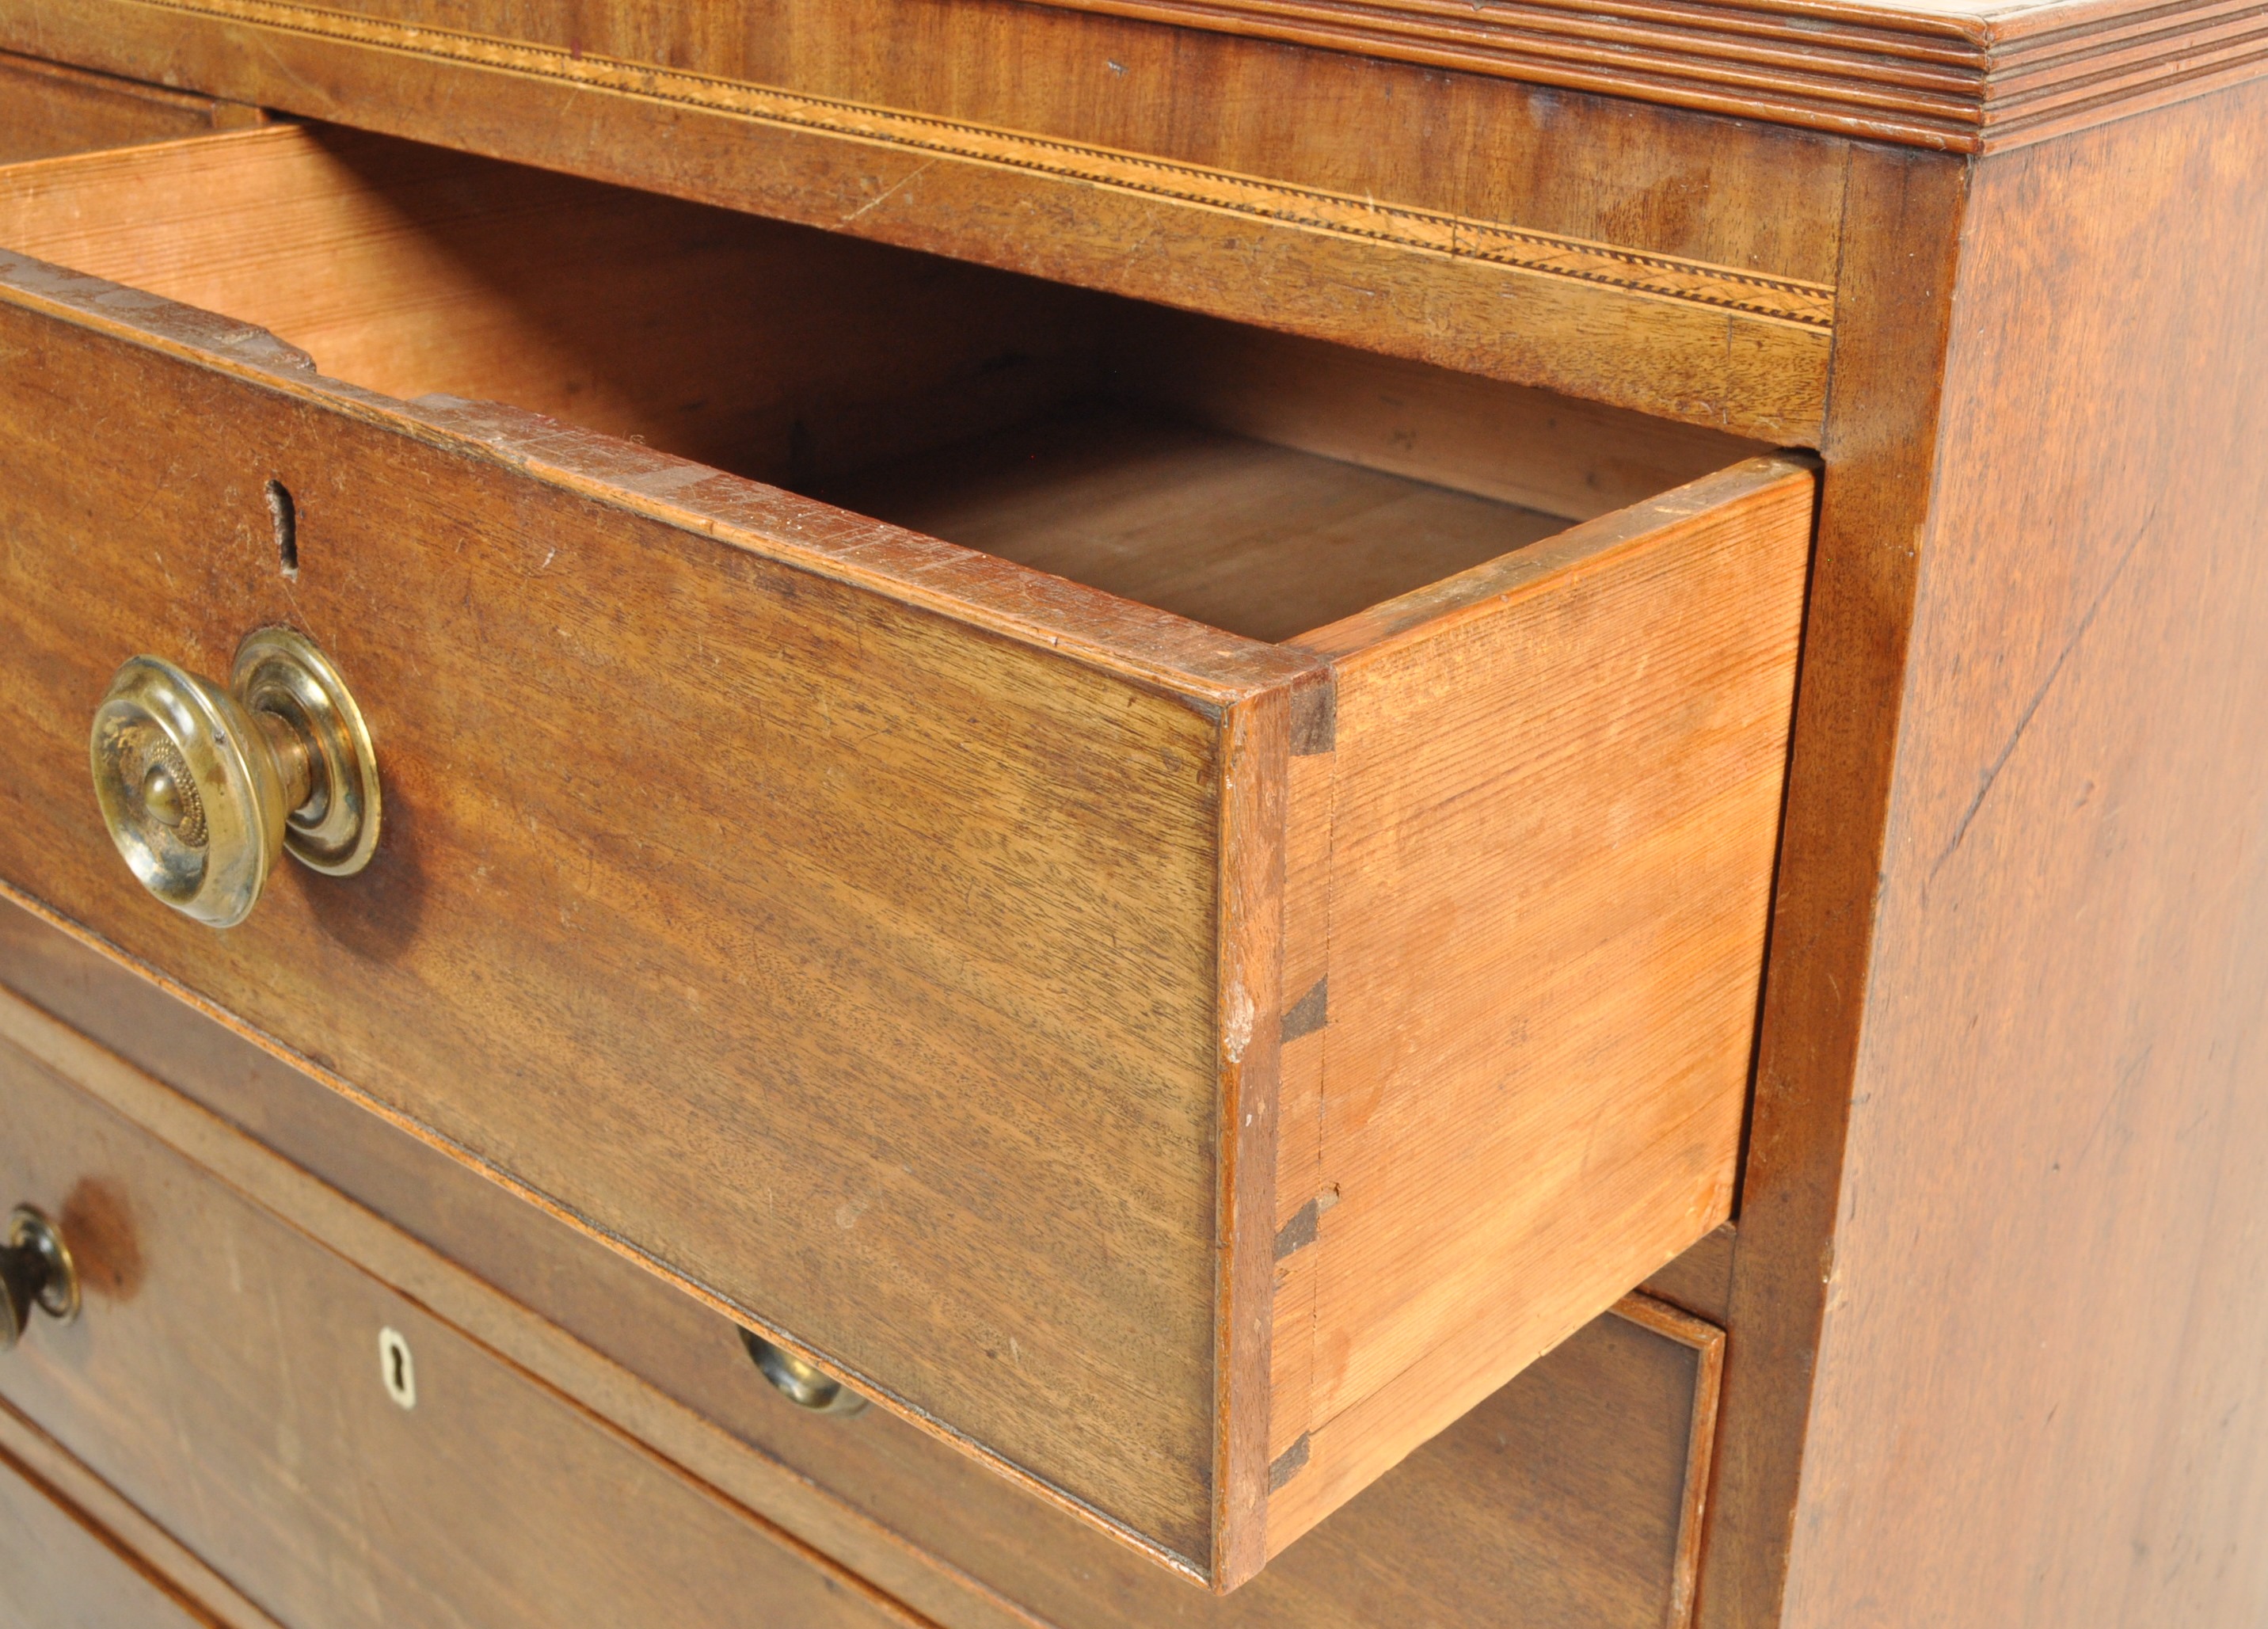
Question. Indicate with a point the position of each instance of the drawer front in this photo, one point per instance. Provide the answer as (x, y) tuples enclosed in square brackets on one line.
[(1570, 1499), (1184, 1069), (60, 1570), (853, 960), (335, 1452)]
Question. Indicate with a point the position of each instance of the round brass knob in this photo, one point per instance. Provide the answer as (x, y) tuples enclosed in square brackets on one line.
[(203, 787), (35, 1271), (800, 1383)]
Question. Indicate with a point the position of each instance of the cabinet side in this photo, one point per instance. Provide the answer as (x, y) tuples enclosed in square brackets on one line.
[(2040, 1394)]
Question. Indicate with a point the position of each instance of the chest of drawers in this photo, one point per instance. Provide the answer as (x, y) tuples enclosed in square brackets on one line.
[(1214, 750)]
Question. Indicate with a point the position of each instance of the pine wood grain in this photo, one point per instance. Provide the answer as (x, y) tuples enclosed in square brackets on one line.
[(867, 376), (1260, 540), (768, 349), (1537, 449), (1591, 826), (1556, 1505), (234, 1393)]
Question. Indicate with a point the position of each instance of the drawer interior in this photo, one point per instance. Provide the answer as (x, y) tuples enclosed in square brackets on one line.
[(1260, 483)]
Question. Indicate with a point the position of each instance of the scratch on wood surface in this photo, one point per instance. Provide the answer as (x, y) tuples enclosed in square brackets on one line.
[(1991, 774), (888, 193)]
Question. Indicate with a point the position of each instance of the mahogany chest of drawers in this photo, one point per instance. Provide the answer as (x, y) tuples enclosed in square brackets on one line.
[(1132, 813)]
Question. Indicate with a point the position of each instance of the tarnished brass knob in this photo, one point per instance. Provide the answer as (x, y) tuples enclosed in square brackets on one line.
[(203, 787), (800, 1382), (35, 1271)]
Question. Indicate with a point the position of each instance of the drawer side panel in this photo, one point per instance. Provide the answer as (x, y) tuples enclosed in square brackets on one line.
[(1556, 807)]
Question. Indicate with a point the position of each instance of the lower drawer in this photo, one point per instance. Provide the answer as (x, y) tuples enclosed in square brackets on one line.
[(1569, 1500), (337, 1454), (60, 1569)]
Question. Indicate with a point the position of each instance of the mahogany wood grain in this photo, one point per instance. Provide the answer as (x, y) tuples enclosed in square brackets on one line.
[(1972, 76), (231, 1386), (1707, 1343), (1985, 1217), (1093, 956), (1700, 1281), (1669, 262), (1563, 1502), (727, 1067), (1881, 448), (48, 110), (2024, 696), (592, 1326), (2014, 916), (60, 1585), (2041, 1395), (59, 1570)]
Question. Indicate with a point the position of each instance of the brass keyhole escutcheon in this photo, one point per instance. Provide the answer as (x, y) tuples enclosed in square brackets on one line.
[(36, 1274), (203, 788)]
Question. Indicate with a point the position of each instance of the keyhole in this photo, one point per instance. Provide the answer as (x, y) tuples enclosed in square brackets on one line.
[(396, 1368), (285, 514)]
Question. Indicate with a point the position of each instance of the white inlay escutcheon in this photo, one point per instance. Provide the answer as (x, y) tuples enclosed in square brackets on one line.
[(397, 1368)]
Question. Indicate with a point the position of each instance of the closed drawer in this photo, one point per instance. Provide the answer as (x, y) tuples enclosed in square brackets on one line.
[(1179, 990), (1571, 1499), (59, 1569), (334, 1452)]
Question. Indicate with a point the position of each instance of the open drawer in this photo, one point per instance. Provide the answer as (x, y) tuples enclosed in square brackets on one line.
[(1181, 988)]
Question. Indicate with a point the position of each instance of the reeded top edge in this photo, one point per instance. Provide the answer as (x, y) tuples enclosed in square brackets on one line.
[(1962, 76)]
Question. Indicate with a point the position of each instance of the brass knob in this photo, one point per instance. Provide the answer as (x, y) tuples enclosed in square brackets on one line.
[(35, 1270), (203, 787), (800, 1382)]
